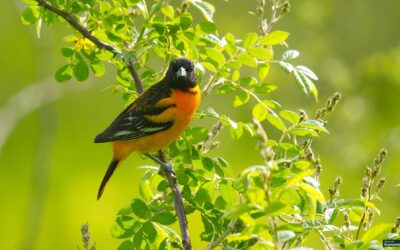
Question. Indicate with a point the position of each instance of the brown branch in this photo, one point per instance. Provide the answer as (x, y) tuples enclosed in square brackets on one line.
[(179, 207), (135, 76), (85, 32)]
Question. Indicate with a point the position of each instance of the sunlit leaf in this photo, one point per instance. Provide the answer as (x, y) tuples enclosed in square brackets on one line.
[(241, 99), (248, 60), (376, 232), (260, 111), (237, 211), (276, 122), (215, 55), (260, 53), (206, 8), (290, 116), (249, 40), (263, 71), (275, 37), (97, 68)]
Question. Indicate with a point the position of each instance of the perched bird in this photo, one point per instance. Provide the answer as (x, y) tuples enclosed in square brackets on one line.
[(156, 118)]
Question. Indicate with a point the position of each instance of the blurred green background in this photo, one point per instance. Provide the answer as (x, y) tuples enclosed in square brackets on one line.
[(50, 169)]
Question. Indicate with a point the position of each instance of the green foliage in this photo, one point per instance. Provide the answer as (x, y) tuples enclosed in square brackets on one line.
[(277, 203)]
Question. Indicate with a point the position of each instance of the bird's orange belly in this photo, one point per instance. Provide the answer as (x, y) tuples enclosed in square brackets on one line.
[(186, 105)]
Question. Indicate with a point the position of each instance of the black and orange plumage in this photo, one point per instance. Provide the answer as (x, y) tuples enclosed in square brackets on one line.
[(156, 118)]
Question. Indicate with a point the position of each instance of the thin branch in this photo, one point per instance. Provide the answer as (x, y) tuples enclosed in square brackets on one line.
[(140, 89), (325, 240), (135, 76), (85, 32), (179, 207), (218, 241)]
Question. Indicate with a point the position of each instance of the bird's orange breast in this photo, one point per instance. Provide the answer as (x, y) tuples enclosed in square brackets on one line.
[(186, 103)]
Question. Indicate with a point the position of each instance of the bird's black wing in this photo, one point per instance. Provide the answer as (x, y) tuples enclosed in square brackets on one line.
[(133, 123)]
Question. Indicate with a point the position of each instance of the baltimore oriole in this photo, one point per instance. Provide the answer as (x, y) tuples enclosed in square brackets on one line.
[(156, 118)]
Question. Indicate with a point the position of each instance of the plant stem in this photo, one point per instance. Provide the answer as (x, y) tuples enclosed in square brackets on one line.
[(218, 241), (85, 32), (140, 89), (325, 240), (179, 207)]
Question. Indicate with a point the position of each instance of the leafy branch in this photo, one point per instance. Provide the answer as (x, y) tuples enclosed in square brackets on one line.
[(139, 87)]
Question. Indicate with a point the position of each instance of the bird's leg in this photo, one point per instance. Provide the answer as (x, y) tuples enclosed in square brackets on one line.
[(163, 166)]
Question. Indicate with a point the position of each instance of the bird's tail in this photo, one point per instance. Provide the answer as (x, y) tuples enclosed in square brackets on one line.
[(111, 168)]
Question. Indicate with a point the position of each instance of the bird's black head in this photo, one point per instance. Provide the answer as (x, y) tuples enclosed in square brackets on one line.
[(181, 74)]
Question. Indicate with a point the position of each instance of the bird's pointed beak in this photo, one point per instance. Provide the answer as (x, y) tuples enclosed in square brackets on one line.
[(181, 72)]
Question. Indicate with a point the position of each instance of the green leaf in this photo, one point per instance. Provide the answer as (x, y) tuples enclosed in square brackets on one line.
[(263, 71), (248, 60), (263, 88), (290, 116), (304, 132), (164, 245), (145, 190), (249, 40), (168, 11), (206, 8), (209, 66), (233, 64), (241, 99), (140, 209), (237, 211), (81, 71), (216, 56), (299, 177), (208, 163), (97, 68), (224, 89), (376, 232), (133, 2), (67, 52), (113, 36), (150, 231), (314, 124), (230, 38), (275, 37), (164, 218), (290, 55), (123, 228), (276, 122), (275, 208), (64, 73), (285, 235), (30, 15), (313, 192), (260, 111), (185, 20), (126, 245), (248, 81), (208, 27), (228, 192), (260, 53)]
